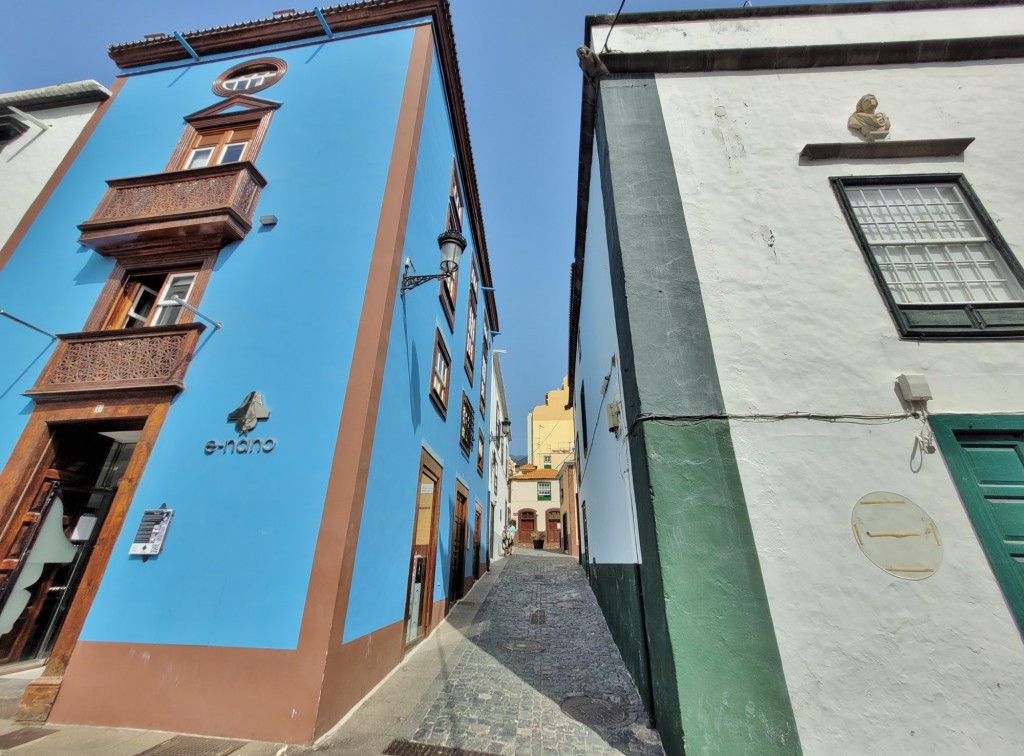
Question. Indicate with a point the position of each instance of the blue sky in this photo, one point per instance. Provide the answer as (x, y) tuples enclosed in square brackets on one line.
[(522, 87)]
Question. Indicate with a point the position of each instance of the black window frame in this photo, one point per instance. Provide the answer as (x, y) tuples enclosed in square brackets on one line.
[(467, 424), (969, 321), (583, 416)]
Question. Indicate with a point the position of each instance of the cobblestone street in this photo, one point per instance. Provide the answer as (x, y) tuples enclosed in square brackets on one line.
[(539, 640), (532, 645)]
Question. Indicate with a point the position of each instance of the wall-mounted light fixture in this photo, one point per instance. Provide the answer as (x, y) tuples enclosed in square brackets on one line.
[(506, 428), (452, 243), (268, 220)]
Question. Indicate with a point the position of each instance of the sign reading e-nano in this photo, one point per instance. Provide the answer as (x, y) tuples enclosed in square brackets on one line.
[(245, 417), (241, 446)]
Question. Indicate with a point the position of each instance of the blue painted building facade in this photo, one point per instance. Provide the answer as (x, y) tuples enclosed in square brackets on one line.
[(286, 570)]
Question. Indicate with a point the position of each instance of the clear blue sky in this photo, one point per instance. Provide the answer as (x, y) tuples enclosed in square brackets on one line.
[(522, 87)]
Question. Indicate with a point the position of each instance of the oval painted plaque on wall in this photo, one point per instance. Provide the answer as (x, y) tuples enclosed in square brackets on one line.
[(897, 535)]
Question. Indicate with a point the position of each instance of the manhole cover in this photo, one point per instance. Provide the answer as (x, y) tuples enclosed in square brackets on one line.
[(571, 604), (409, 748), (525, 646), (596, 712), (538, 617), (185, 745)]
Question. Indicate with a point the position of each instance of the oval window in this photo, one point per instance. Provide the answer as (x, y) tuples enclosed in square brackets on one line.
[(251, 76)]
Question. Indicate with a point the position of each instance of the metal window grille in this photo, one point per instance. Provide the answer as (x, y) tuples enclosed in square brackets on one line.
[(466, 427), (930, 246)]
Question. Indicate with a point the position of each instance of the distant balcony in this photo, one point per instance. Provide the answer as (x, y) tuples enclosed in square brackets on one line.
[(217, 202), (141, 359)]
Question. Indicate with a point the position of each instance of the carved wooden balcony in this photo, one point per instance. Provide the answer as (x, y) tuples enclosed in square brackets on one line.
[(140, 359), (217, 202)]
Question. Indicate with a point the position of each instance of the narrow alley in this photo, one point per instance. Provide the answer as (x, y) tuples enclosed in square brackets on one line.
[(523, 659)]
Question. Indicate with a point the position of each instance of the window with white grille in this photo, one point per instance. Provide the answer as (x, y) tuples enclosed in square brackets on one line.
[(930, 247), (943, 267)]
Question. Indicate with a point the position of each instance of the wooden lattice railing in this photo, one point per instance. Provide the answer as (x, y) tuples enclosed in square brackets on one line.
[(133, 358)]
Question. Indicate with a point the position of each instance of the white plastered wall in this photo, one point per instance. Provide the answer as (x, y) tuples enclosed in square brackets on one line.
[(27, 163), (606, 483), (875, 664), (497, 456)]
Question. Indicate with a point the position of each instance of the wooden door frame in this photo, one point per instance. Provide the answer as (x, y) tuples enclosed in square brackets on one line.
[(24, 466), (427, 462)]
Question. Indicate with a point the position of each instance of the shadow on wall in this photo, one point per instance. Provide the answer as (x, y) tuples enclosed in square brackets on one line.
[(17, 379), (413, 370)]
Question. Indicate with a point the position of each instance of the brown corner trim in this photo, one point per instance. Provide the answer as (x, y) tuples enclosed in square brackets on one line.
[(326, 607), (912, 148), (48, 189)]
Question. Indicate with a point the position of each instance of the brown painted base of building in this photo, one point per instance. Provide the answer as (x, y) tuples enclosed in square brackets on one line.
[(364, 662), (253, 694)]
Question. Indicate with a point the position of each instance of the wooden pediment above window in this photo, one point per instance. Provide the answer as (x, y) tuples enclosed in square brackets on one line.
[(238, 124), (239, 103)]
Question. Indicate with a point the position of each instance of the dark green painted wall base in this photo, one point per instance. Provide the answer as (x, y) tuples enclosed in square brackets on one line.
[(712, 641), (617, 588)]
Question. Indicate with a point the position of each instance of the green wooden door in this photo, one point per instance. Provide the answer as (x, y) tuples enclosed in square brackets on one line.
[(987, 462)]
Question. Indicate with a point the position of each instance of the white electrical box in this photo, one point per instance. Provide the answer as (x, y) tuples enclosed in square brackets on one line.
[(612, 413), (913, 387)]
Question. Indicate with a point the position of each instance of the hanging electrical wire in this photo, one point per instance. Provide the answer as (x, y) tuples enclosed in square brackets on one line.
[(614, 20)]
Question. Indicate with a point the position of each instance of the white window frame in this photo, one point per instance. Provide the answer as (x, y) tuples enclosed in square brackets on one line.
[(248, 80), (241, 155), (164, 303), (194, 156)]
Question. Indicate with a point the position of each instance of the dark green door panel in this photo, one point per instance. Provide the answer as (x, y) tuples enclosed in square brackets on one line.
[(985, 455)]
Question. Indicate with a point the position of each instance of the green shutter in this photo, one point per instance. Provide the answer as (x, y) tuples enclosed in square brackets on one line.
[(986, 457)]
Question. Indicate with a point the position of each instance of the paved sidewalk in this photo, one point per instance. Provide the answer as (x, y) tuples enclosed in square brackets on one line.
[(527, 639)]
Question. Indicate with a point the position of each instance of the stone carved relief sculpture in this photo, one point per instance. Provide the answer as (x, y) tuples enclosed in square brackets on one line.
[(866, 122)]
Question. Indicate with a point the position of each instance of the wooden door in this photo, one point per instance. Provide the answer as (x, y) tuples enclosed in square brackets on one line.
[(53, 537), (456, 585), (988, 469), (477, 525), (553, 532), (527, 524), (420, 592)]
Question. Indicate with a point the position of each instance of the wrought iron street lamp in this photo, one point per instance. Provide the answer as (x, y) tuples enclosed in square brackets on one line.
[(506, 428), (452, 243)]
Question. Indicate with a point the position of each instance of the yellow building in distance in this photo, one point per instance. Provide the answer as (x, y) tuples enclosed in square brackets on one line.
[(550, 430)]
